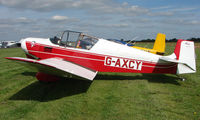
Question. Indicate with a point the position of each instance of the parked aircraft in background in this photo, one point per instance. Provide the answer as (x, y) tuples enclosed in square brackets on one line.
[(158, 48), (74, 54), (159, 45), (8, 44), (121, 42)]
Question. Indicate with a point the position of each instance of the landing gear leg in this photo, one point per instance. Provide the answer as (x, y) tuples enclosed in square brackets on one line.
[(43, 77)]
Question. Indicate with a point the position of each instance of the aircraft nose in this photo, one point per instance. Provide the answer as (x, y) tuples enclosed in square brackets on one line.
[(23, 45)]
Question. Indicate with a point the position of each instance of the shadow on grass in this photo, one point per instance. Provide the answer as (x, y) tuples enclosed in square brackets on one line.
[(51, 91), (29, 73), (156, 78)]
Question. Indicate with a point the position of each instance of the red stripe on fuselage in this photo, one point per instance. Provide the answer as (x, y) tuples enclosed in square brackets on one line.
[(96, 61)]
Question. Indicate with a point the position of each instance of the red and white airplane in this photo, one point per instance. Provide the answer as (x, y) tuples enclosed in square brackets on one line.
[(80, 55)]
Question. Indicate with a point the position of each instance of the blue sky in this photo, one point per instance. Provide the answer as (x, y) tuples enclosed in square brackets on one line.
[(125, 19)]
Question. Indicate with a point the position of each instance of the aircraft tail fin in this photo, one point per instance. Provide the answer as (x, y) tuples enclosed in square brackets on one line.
[(159, 44), (185, 54)]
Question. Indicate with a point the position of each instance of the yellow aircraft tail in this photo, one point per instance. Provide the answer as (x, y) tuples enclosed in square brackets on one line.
[(159, 45)]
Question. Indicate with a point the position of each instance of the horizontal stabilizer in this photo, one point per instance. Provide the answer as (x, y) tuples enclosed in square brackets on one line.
[(169, 59)]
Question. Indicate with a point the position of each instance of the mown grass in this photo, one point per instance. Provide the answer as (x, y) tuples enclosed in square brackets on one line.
[(116, 96)]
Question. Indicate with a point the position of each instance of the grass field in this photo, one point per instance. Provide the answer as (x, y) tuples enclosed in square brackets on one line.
[(114, 96)]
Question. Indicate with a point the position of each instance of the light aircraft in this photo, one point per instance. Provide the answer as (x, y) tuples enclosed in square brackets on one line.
[(158, 48), (74, 54), (121, 42), (8, 44), (159, 45)]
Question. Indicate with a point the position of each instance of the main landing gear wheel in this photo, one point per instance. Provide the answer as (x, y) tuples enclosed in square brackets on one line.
[(46, 78)]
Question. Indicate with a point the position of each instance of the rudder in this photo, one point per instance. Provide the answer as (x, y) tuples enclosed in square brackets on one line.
[(185, 54)]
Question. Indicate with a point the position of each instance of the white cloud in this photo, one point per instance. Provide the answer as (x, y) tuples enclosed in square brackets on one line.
[(125, 4), (118, 25), (36, 31), (137, 20), (95, 6), (161, 7), (59, 18), (23, 20), (194, 22), (166, 13), (183, 9), (110, 26), (3, 26), (102, 16), (181, 22), (16, 21)]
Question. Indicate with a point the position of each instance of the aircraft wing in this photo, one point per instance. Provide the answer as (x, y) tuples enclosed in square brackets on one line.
[(57, 66)]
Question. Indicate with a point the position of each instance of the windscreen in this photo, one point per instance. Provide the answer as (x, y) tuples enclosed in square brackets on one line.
[(74, 39)]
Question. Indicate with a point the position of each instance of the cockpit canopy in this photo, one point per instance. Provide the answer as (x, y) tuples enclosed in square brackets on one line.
[(74, 39)]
